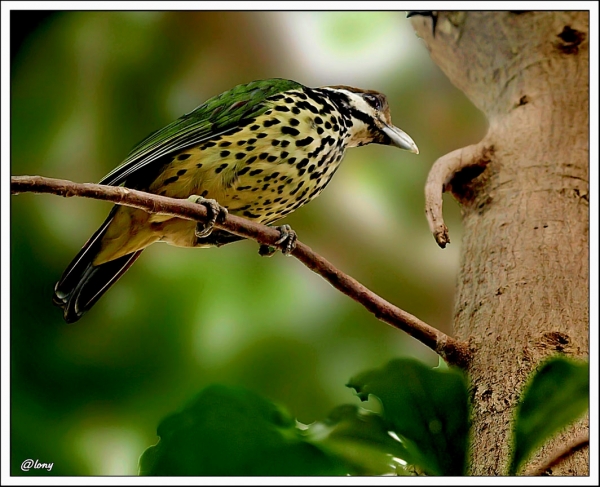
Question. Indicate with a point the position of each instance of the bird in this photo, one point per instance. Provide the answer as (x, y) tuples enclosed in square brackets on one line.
[(260, 151)]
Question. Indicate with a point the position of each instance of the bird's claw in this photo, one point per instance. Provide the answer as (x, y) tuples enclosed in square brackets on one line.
[(286, 242), (216, 213)]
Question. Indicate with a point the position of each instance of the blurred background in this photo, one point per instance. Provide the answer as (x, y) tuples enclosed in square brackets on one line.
[(85, 88)]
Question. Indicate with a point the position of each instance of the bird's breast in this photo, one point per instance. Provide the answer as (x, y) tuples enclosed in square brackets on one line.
[(266, 168)]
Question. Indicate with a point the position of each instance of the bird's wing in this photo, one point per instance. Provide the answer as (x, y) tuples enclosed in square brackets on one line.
[(219, 115)]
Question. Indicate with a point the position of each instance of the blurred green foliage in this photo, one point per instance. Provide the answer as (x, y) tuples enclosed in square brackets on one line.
[(557, 394), (85, 88), (423, 426), (226, 431), (427, 408)]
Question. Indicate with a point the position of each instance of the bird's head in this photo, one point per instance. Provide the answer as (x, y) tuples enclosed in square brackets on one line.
[(371, 118)]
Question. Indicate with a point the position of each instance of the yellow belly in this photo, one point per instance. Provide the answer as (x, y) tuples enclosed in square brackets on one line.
[(254, 175)]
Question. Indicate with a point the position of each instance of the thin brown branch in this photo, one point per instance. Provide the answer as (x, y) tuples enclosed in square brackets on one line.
[(439, 180), (452, 350), (559, 455)]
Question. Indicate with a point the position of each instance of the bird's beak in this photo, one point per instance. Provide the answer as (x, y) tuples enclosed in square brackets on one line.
[(400, 139)]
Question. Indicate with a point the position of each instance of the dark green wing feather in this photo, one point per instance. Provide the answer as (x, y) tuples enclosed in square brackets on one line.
[(218, 116)]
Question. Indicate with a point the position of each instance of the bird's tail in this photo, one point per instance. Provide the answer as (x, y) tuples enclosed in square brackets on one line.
[(83, 283)]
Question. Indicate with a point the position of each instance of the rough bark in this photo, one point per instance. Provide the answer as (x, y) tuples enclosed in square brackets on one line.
[(522, 291)]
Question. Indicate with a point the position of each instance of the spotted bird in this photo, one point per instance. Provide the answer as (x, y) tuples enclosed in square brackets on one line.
[(260, 151)]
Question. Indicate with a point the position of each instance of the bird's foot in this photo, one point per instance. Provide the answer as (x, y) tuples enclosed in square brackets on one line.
[(216, 213), (286, 243)]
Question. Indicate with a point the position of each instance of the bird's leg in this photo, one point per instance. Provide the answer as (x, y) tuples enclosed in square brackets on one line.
[(216, 212), (287, 242)]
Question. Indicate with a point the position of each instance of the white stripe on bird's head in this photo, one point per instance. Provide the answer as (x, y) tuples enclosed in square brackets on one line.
[(371, 119)]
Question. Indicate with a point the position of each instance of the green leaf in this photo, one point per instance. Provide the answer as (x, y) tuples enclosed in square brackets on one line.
[(557, 394), (427, 408), (229, 431), (359, 437)]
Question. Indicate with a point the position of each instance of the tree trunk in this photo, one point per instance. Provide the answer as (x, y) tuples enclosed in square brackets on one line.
[(522, 290)]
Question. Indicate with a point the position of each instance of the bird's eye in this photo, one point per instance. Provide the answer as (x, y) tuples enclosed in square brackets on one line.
[(373, 100)]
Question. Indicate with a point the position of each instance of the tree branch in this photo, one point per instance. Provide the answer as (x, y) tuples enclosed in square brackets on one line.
[(559, 455), (440, 179), (452, 350)]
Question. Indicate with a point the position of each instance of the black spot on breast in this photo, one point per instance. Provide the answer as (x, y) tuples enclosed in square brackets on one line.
[(171, 180), (265, 186), (224, 153), (290, 131), (243, 171), (294, 122), (318, 120), (255, 172), (241, 142), (221, 167), (181, 172), (285, 143), (240, 155), (263, 156), (254, 127), (225, 144), (327, 125), (250, 148), (291, 160), (301, 172), (250, 215), (271, 122), (303, 163), (207, 145), (275, 142), (281, 108), (199, 165), (311, 168), (250, 160), (251, 141), (307, 106), (204, 193), (320, 130), (271, 159), (304, 142), (296, 111), (284, 154), (261, 136), (289, 99), (183, 157)]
